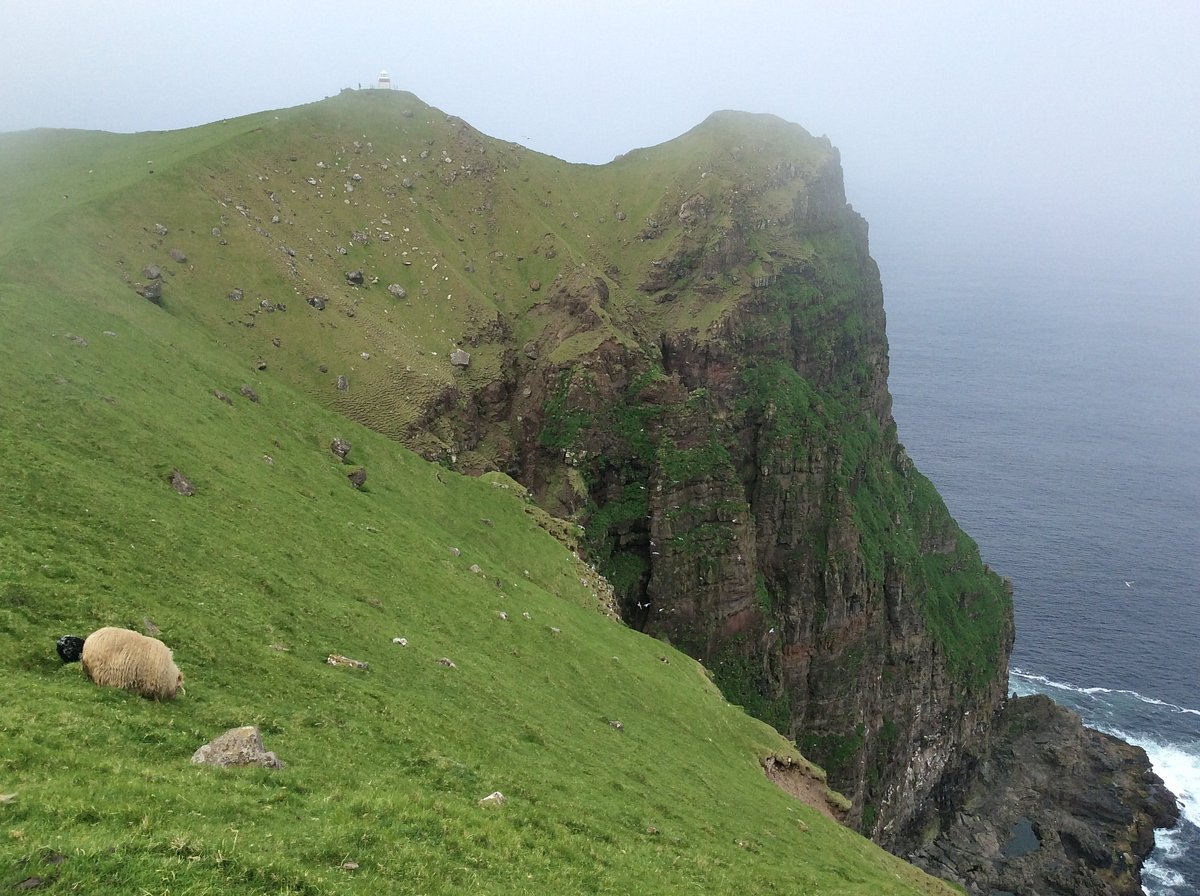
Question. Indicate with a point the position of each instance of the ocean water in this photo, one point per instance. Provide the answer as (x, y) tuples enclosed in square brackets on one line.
[(1056, 406)]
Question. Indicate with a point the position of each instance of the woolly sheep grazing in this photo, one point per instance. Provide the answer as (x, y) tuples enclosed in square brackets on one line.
[(120, 658)]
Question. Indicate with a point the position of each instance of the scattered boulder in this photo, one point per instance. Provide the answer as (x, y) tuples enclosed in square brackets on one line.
[(535, 285), (358, 478), (475, 568), (336, 659), (248, 392), (178, 255), (355, 277), (493, 800), (235, 295), (221, 396), (317, 302), (260, 364), (403, 642), (617, 725), (340, 447), (397, 290), (152, 291), (459, 358), (160, 230), (237, 747), (152, 272), (343, 384), (182, 484), (447, 662)]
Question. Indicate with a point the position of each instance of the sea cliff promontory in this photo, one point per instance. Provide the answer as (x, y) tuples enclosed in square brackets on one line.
[(678, 361)]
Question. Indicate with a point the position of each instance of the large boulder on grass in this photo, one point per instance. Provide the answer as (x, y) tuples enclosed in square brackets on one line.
[(236, 747)]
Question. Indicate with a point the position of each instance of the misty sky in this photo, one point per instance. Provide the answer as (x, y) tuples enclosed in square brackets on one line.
[(1069, 127)]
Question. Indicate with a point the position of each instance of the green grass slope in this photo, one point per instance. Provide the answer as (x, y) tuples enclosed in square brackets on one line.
[(276, 562)]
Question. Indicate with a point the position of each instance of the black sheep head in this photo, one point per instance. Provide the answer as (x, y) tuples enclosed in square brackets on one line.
[(70, 648)]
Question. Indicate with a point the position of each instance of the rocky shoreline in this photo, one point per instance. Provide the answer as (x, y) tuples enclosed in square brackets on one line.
[(1053, 807)]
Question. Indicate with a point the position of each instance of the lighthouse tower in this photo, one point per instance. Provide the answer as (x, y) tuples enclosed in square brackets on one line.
[(385, 81)]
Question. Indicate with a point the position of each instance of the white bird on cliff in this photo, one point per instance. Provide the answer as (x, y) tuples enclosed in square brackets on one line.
[(1128, 584)]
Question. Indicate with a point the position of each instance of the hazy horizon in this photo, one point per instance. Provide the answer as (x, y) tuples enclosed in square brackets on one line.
[(1065, 130)]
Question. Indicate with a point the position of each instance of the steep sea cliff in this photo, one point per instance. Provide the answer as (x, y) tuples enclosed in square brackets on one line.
[(682, 353)]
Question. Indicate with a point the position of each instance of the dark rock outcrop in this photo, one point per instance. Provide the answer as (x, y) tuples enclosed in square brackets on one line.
[(1053, 807), (182, 484), (153, 291)]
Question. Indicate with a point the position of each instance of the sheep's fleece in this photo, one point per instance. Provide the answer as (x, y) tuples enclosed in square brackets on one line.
[(121, 658)]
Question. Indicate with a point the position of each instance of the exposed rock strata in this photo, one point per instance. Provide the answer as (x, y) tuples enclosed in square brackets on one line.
[(1054, 807)]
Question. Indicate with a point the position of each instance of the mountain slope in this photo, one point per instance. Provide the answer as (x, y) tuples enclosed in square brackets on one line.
[(276, 561), (683, 349)]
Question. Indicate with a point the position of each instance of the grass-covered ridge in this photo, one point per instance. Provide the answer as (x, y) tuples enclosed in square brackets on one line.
[(277, 561)]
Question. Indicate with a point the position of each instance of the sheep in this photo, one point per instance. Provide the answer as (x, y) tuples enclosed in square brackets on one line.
[(70, 648), (121, 658)]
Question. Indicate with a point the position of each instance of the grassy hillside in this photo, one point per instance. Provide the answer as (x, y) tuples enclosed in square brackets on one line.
[(276, 562)]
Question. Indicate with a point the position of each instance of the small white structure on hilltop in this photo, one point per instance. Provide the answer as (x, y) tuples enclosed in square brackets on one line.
[(385, 81)]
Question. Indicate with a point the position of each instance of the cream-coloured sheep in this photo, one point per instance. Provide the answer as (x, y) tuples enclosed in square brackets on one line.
[(120, 658)]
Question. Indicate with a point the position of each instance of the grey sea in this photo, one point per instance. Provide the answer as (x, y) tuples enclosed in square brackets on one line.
[(1056, 406)]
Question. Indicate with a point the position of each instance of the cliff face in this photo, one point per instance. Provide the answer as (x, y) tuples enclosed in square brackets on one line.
[(722, 428)]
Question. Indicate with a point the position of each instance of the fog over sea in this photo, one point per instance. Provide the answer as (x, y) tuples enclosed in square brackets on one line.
[(1056, 406)]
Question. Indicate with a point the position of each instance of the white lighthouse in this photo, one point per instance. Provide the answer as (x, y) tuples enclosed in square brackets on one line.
[(385, 81)]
